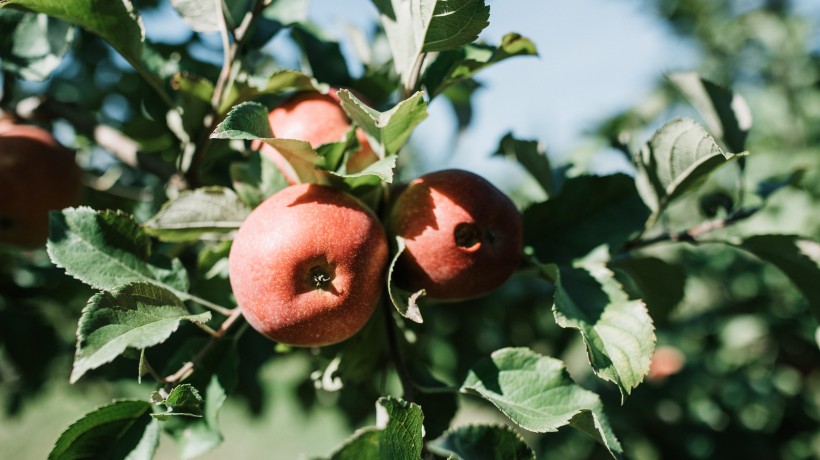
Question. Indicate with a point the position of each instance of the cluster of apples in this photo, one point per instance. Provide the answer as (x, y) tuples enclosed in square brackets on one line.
[(308, 265)]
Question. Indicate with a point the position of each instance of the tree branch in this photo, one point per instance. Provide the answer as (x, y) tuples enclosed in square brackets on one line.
[(691, 235)]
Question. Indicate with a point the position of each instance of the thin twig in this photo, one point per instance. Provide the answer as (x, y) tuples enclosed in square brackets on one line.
[(208, 304), (415, 75), (188, 368), (691, 235), (395, 351), (231, 52)]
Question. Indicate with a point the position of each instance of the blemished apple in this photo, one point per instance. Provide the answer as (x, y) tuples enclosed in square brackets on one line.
[(318, 119), (37, 175), (307, 266), (463, 236)]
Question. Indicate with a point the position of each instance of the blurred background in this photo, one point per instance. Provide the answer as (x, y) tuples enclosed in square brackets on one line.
[(739, 375)]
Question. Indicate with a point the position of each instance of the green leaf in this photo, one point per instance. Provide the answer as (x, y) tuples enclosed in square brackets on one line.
[(194, 99), (537, 394), (184, 400), (116, 21), (256, 179), (387, 131), (658, 283), (108, 249), (216, 377), (114, 431), (32, 45), (138, 315), (532, 157), (481, 442), (324, 57), (202, 15), (404, 302), (416, 27), (196, 213), (796, 256), (374, 174), (451, 67), (727, 115), (588, 212), (679, 156), (618, 332), (249, 121), (396, 436)]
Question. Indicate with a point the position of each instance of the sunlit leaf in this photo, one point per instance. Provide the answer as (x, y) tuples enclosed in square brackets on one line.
[(405, 302), (537, 394), (138, 315), (481, 442), (32, 45)]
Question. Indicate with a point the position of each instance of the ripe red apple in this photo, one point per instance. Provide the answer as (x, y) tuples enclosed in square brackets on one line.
[(318, 119), (307, 266), (463, 236), (666, 361), (37, 174)]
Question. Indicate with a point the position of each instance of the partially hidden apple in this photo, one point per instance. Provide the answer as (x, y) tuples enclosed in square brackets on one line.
[(463, 236), (307, 266), (37, 174), (318, 119)]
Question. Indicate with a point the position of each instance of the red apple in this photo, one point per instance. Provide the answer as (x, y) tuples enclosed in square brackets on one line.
[(318, 119), (37, 174), (307, 266), (463, 236)]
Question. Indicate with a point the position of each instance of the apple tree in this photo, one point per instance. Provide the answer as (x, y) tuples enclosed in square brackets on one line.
[(667, 310)]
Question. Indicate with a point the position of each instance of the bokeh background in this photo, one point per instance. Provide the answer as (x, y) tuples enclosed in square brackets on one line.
[(743, 344)]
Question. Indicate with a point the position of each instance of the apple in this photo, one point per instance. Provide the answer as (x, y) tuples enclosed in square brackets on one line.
[(37, 174), (666, 361), (307, 265), (318, 119), (463, 236)]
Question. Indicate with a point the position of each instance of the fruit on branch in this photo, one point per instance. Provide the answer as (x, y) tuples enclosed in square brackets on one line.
[(307, 266), (666, 361), (318, 119), (37, 174), (463, 236)]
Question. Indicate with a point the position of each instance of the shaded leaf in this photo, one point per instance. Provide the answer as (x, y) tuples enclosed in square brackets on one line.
[(679, 156), (108, 249), (116, 21), (532, 157), (194, 99), (197, 212), (796, 256), (248, 87), (588, 212), (137, 315), (387, 131), (256, 179), (324, 57), (658, 283), (396, 436), (451, 67), (114, 431), (183, 400), (202, 15), (405, 302), (618, 332), (537, 394), (32, 45), (727, 115), (481, 442)]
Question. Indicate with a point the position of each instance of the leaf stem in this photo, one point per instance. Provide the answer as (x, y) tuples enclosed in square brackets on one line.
[(691, 235), (188, 368), (408, 386), (415, 75), (208, 304)]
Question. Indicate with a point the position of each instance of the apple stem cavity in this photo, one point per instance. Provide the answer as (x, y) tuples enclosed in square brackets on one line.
[(467, 235), (320, 276)]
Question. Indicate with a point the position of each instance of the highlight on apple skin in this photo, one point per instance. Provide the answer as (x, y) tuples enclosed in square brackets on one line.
[(318, 119), (463, 236), (307, 266), (37, 175)]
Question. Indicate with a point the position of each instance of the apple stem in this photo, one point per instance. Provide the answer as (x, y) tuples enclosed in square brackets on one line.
[(395, 351)]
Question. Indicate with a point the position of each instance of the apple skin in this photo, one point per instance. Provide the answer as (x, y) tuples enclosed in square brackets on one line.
[(463, 236), (37, 175), (307, 265), (318, 119)]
